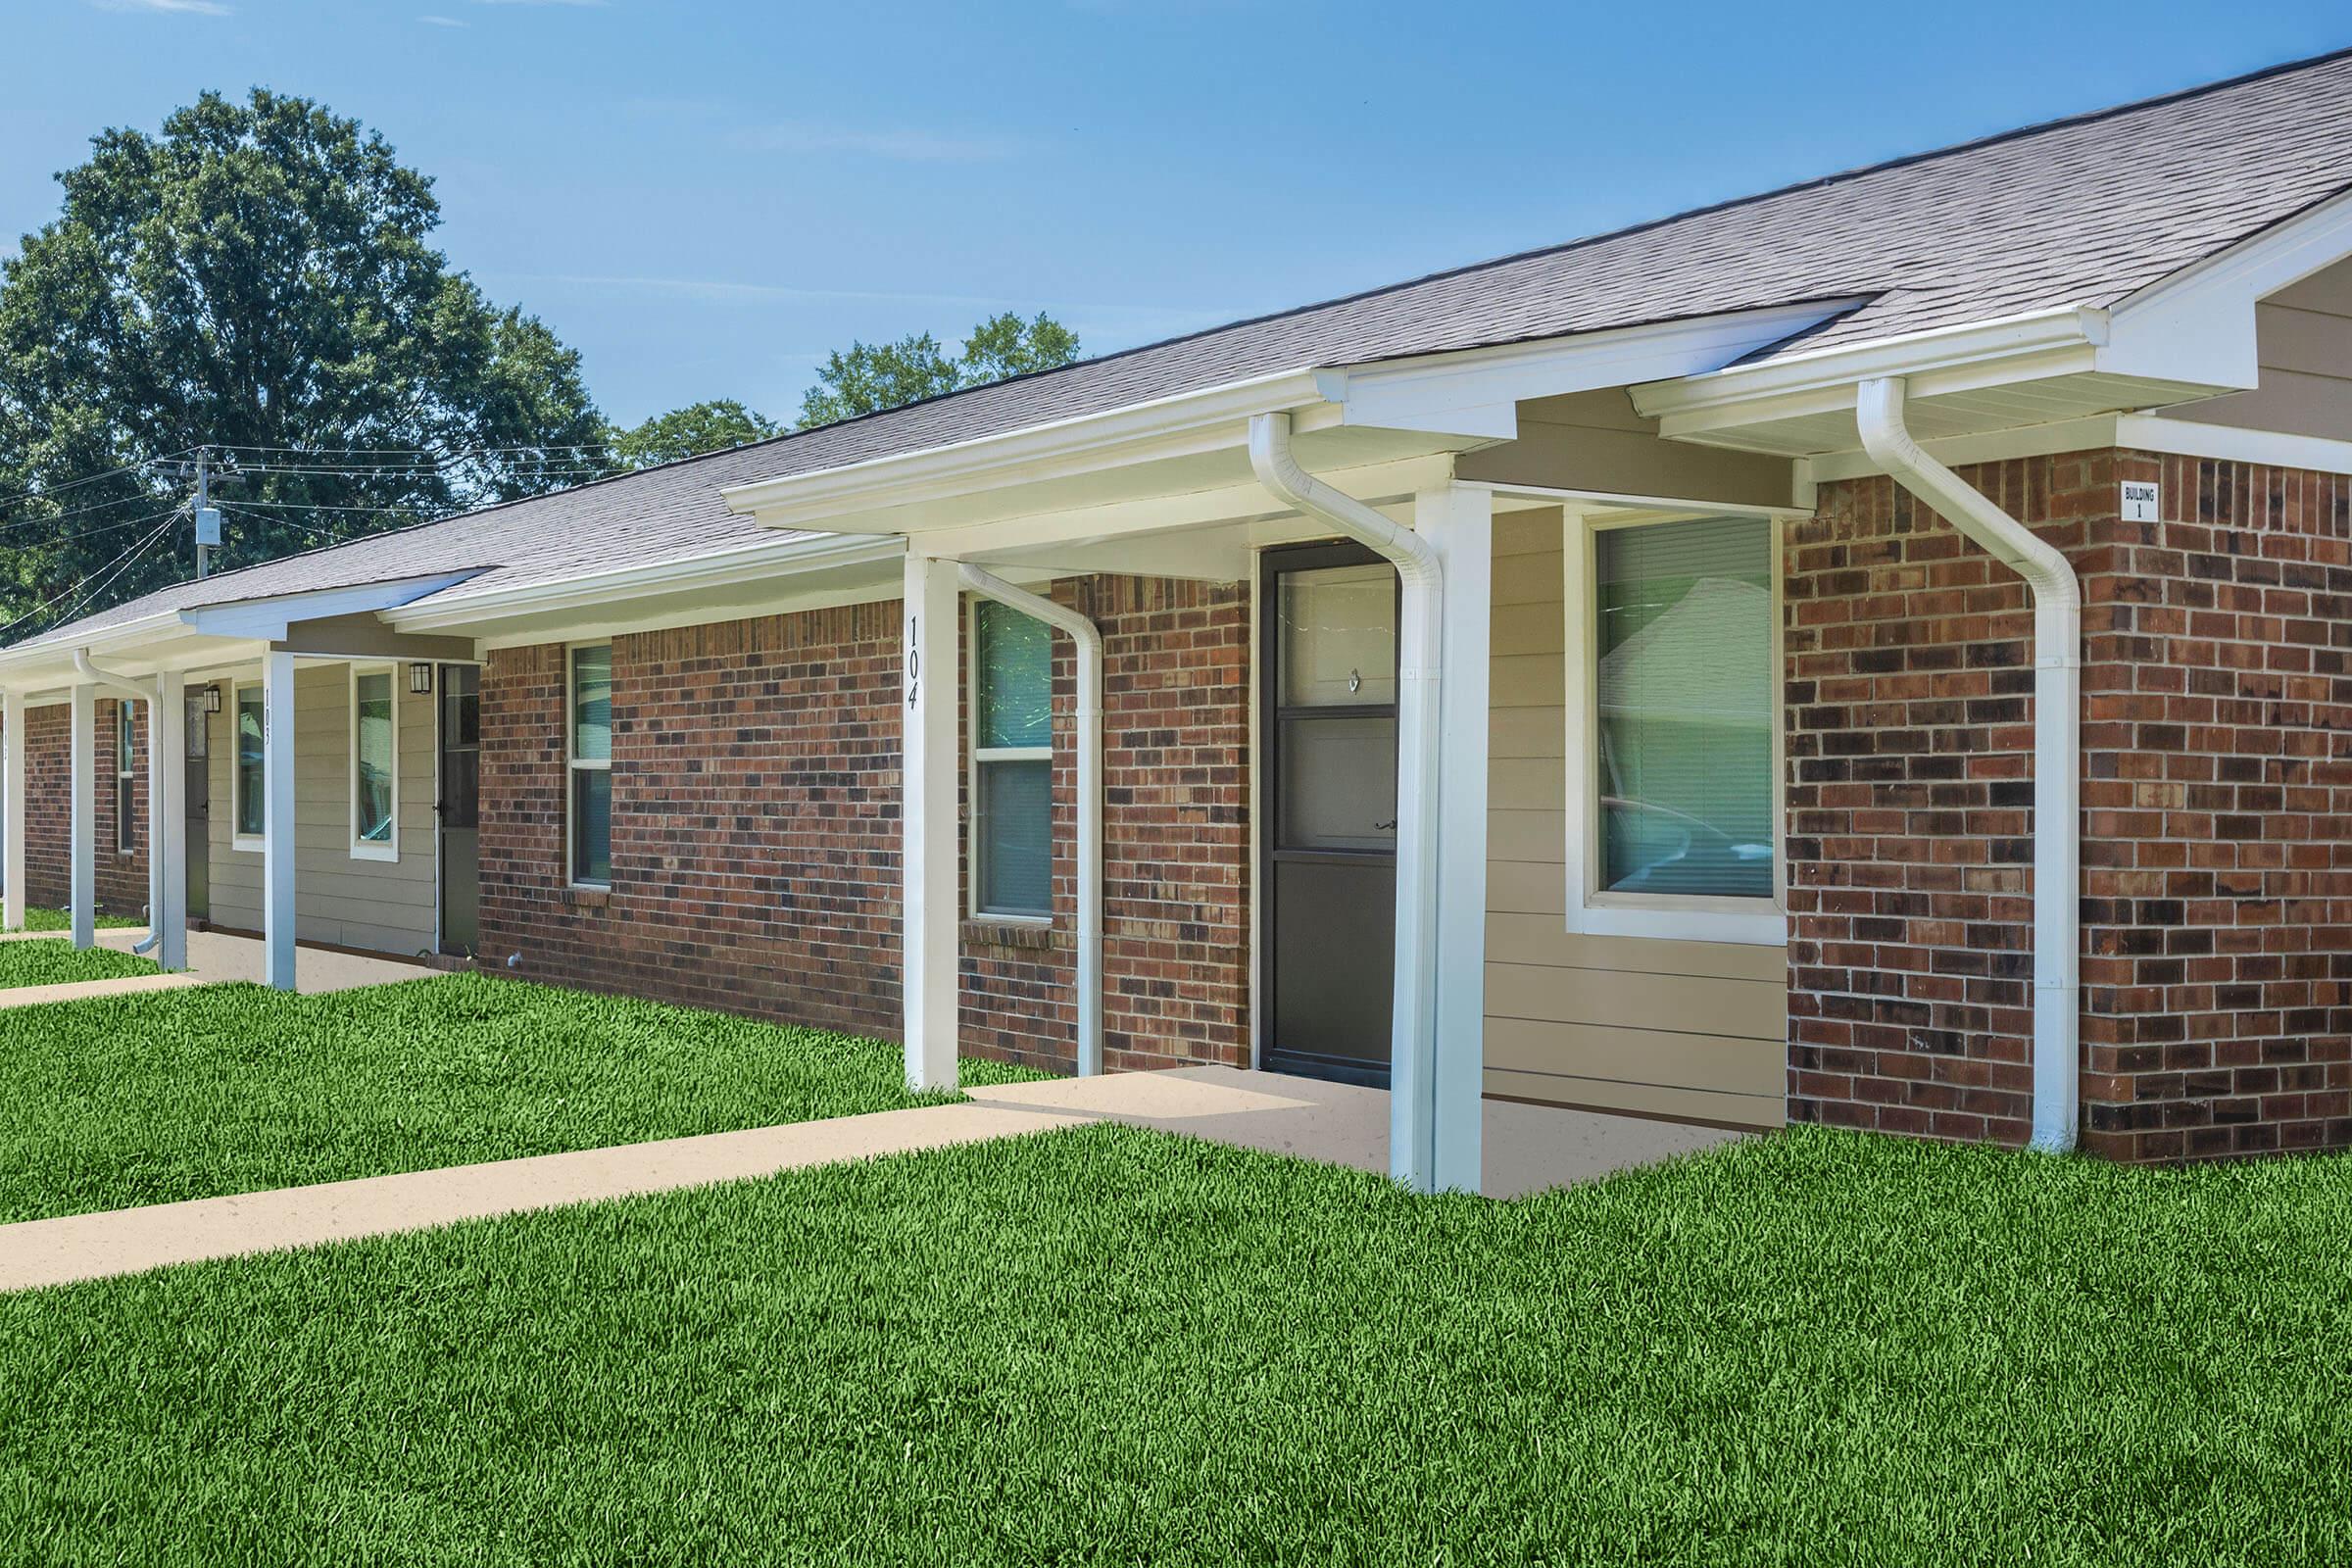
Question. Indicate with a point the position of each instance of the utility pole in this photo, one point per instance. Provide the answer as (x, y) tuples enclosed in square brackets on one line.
[(208, 515), (207, 520)]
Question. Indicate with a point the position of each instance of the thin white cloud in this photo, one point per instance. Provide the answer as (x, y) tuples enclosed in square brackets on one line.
[(444, 22), (165, 8), (1102, 324), (579, 4), (727, 289), (899, 145)]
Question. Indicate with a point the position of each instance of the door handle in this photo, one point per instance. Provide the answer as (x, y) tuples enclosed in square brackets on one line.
[(1383, 827)]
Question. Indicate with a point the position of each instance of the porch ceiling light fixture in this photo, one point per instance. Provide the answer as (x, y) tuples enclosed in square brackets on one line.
[(2057, 742), (420, 679)]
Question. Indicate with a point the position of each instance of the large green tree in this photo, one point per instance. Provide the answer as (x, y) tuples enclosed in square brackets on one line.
[(868, 377), (257, 280), (688, 432)]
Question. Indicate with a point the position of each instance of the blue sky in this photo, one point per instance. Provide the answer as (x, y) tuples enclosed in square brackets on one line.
[(704, 197)]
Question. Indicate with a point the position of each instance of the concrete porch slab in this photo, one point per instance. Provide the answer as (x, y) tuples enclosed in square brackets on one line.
[(1527, 1148)]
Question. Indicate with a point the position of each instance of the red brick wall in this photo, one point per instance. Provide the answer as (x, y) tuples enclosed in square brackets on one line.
[(754, 832), (2218, 793), (1176, 838), (122, 879), (2217, 903), (756, 835)]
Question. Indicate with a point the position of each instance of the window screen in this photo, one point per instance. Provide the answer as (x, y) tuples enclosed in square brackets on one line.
[(371, 762), (249, 760), (592, 764), (1684, 700), (1012, 751)]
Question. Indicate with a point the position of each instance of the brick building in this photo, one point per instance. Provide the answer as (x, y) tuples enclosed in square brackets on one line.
[(1870, 653)]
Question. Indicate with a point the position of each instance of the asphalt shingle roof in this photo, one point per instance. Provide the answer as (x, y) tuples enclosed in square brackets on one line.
[(2077, 212)]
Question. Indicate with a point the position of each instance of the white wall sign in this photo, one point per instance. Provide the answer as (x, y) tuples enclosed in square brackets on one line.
[(2143, 498)]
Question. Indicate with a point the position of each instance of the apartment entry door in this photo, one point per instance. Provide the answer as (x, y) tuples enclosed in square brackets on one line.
[(197, 801), (1327, 664), (459, 806)]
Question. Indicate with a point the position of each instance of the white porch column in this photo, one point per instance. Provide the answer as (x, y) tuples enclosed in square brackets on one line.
[(1458, 521), (81, 822), (277, 819), (927, 861), (12, 835), (167, 820)]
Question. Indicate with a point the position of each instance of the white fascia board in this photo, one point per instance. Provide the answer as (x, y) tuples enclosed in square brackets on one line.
[(762, 558), (1958, 358), (1477, 391), (2137, 432), (1165, 427), (269, 618), (2197, 325)]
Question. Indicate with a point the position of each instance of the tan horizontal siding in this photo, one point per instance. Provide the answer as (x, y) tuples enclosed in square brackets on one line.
[(1690, 1029), (385, 906)]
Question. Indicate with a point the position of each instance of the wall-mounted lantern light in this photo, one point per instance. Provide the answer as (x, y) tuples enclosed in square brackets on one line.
[(212, 699), (420, 679)]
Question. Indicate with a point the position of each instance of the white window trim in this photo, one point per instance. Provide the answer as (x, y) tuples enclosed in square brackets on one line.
[(1689, 918), (246, 842), (126, 822), (578, 764), (368, 849), (976, 755)]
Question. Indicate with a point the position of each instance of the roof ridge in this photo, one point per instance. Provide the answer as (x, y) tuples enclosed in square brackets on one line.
[(1561, 247)]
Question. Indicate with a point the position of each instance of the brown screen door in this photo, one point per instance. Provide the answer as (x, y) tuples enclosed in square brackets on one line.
[(1328, 661), (459, 806)]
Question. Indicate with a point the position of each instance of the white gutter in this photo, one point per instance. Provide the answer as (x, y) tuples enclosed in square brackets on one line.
[(89, 672), (455, 611), (1089, 638), (2057, 742), (1412, 1130)]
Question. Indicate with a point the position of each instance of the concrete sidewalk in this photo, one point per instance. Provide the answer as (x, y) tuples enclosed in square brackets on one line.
[(221, 956), (1528, 1147), (85, 990), (130, 1240)]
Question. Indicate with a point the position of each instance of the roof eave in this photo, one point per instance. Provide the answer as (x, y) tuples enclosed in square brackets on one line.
[(1451, 401)]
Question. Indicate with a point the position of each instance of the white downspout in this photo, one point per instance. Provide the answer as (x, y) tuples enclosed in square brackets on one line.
[(1089, 638), (2057, 744), (89, 672), (1412, 1131)]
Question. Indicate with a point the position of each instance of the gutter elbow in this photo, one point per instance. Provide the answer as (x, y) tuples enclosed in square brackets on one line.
[(1277, 468)]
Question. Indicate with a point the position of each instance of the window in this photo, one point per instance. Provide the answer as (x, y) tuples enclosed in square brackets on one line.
[(1013, 763), (374, 764), (126, 814), (246, 780), (1675, 705), (591, 752)]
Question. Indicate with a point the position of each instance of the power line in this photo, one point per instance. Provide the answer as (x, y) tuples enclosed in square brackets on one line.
[(46, 491), (320, 505), (111, 569), (78, 511)]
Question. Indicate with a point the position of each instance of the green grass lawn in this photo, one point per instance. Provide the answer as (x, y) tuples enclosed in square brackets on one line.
[(161, 1096), (1113, 1346), (52, 961), (38, 920)]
